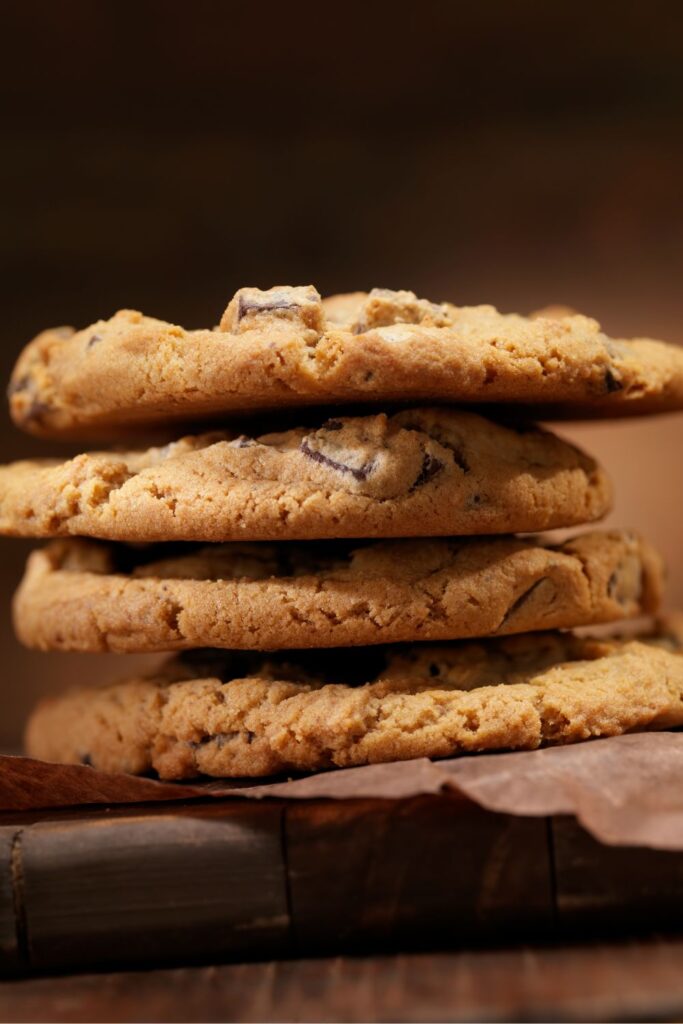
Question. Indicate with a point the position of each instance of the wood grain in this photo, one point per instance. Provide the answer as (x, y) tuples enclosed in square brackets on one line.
[(379, 874), (612, 888), (221, 880), (634, 981), (11, 958), (190, 885)]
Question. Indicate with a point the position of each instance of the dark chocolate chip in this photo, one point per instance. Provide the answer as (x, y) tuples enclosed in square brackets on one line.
[(93, 340), (332, 425), (613, 588), (458, 456), (16, 386), (434, 670), (358, 474), (86, 759), (431, 466), (521, 601), (612, 382), (37, 410), (246, 305)]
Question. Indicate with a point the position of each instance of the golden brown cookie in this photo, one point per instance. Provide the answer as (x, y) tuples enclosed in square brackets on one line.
[(84, 596), (223, 714), (420, 472), (286, 347)]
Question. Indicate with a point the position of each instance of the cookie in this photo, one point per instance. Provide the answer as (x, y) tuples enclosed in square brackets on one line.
[(223, 714), (83, 596), (286, 347), (419, 472)]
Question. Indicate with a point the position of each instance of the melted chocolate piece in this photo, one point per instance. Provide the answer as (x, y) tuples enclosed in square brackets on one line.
[(37, 410), (612, 382), (358, 474), (458, 454), (431, 466), (16, 386), (93, 340), (521, 601), (246, 305)]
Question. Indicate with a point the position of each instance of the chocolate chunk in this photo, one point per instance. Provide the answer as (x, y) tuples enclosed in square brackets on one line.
[(625, 583), (243, 442), (523, 599), (362, 473), (93, 340), (86, 759), (253, 301), (301, 304), (266, 305), (612, 382), (16, 386), (37, 410), (431, 466), (458, 455)]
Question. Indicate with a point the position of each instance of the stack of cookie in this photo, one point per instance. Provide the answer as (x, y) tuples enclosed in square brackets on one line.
[(347, 583)]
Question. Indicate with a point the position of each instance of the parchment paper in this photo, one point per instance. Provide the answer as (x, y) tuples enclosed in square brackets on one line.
[(625, 790)]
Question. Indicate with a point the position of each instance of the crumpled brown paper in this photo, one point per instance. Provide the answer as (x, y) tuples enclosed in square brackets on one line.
[(625, 790)]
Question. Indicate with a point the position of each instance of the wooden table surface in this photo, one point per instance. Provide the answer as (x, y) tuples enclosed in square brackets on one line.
[(629, 981)]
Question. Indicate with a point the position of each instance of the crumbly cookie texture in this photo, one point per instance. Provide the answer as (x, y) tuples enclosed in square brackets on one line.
[(286, 346), (83, 596), (223, 714), (423, 472)]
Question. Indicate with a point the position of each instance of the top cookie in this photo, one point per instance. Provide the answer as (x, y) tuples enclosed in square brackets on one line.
[(287, 347)]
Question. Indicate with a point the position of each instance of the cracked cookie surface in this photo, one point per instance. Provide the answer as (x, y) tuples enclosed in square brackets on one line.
[(424, 472), (85, 596), (224, 714), (287, 347)]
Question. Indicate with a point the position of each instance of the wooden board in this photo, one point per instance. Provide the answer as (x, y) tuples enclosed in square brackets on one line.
[(638, 981), (222, 880)]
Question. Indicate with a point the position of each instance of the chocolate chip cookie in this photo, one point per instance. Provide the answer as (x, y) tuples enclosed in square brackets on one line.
[(421, 472), (287, 347), (225, 714), (84, 596)]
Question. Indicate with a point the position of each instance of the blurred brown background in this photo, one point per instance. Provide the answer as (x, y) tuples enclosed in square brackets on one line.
[(158, 155)]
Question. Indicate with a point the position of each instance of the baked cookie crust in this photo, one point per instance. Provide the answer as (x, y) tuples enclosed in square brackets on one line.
[(423, 472), (285, 346), (84, 596), (224, 714)]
